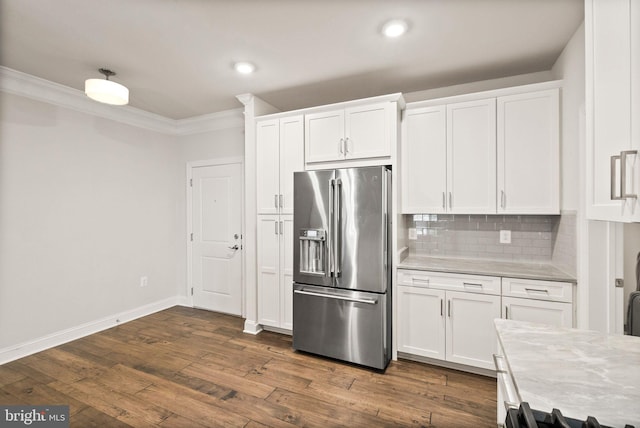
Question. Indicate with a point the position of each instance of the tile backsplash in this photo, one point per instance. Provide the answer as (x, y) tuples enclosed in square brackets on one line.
[(533, 237)]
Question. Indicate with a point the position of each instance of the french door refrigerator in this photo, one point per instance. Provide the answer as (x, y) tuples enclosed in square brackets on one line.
[(342, 264)]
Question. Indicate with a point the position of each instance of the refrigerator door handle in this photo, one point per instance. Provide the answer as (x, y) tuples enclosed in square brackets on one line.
[(331, 270), (337, 297), (337, 226)]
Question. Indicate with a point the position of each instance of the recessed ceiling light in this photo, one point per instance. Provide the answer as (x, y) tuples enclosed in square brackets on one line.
[(244, 67), (395, 28)]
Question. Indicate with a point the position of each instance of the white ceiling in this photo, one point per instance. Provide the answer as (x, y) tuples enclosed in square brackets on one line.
[(176, 56)]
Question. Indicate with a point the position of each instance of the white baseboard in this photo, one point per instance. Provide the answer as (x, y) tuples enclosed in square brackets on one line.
[(447, 364), (58, 338), (251, 327), (278, 330)]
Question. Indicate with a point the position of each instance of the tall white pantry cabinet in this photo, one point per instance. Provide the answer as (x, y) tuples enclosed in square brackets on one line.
[(280, 152)]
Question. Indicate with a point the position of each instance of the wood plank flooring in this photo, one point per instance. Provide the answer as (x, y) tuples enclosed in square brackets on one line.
[(186, 367)]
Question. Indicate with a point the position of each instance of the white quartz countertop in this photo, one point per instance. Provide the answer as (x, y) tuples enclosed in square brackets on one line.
[(539, 271), (582, 373)]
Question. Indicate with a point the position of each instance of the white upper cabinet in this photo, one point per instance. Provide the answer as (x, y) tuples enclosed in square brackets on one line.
[(324, 136), (279, 153), (612, 29), (424, 154), (471, 157), (528, 153), (483, 154), (267, 166), (359, 132), (291, 158)]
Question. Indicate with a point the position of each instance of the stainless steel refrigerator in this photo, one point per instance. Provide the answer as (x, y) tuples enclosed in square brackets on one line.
[(342, 264)]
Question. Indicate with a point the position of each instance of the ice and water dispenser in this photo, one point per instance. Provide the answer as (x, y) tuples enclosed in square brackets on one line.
[(313, 251)]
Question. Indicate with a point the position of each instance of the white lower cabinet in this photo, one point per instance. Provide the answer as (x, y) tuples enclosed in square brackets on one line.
[(275, 271), (554, 313), (449, 317), (544, 302), (471, 335), (421, 324), (436, 321)]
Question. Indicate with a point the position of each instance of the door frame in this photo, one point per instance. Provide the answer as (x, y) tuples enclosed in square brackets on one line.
[(189, 194)]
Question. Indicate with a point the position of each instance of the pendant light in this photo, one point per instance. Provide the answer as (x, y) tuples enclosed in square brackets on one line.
[(105, 90)]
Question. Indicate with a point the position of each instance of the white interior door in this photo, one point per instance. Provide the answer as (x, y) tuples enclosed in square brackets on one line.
[(217, 238)]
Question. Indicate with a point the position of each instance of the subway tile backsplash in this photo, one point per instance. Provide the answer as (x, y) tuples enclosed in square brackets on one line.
[(533, 237)]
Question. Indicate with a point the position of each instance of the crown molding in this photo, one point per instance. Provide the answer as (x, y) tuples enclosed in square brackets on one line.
[(25, 85), (210, 122)]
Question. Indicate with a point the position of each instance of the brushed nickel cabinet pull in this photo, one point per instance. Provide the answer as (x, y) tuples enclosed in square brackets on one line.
[(613, 195), (623, 174)]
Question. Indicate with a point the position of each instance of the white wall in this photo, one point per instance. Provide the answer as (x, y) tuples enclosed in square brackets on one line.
[(87, 207), (570, 68)]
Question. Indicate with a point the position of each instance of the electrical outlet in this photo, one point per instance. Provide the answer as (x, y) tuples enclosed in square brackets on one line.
[(413, 234), (505, 237), (144, 281)]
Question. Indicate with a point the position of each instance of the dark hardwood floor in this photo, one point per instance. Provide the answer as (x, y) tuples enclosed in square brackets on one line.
[(186, 367)]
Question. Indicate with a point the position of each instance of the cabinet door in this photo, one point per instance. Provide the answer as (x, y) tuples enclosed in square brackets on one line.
[(471, 157), (268, 271), (286, 272), (324, 136), (539, 311), (267, 166), (610, 95), (424, 155), (421, 323), (291, 158), (471, 335), (367, 131), (529, 153)]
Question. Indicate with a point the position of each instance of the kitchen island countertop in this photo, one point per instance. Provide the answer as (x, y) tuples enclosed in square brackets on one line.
[(523, 270), (582, 373)]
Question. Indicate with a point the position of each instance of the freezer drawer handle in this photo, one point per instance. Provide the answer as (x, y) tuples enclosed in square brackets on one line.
[(331, 296)]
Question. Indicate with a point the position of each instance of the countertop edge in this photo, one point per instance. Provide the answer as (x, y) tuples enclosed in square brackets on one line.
[(461, 266)]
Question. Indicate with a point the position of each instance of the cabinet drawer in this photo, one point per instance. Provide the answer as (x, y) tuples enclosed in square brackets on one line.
[(446, 281), (539, 290)]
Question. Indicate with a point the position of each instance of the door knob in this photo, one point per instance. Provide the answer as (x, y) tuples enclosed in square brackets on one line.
[(235, 247)]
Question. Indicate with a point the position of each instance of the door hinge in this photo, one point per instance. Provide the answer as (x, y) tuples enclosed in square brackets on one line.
[(191, 182), (192, 291), (619, 282), (192, 237)]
